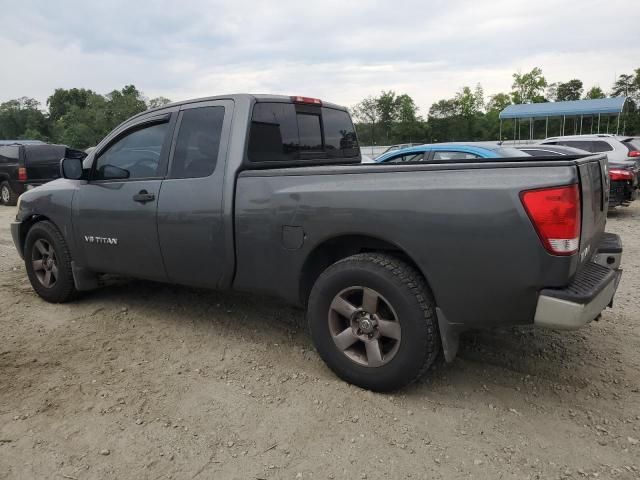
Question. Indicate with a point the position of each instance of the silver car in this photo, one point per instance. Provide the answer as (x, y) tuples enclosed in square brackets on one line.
[(619, 149)]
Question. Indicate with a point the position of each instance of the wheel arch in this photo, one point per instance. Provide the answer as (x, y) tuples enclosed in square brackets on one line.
[(336, 248), (28, 223)]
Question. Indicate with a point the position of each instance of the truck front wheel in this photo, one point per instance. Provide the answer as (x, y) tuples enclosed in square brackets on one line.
[(373, 321), (48, 263)]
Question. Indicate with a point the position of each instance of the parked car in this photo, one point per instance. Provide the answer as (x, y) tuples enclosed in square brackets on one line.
[(624, 150), (443, 152), (267, 194), (623, 181), (25, 164)]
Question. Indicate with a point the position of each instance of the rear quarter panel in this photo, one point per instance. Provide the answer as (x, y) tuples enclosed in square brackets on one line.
[(465, 229)]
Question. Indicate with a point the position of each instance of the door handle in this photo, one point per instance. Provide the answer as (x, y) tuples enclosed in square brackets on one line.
[(143, 197)]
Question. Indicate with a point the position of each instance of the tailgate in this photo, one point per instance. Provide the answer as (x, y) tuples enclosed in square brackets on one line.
[(594, 184), (43, 161)]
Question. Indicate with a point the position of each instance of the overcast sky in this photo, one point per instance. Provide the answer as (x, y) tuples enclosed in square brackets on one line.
[(339, 51)]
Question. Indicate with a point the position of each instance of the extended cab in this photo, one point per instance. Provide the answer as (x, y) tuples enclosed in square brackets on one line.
[(266, 194)]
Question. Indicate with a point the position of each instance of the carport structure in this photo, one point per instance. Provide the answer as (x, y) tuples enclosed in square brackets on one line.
[(579, 110)]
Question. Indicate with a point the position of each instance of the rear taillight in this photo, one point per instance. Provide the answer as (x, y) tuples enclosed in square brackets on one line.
[(617, 174), (22, 174), (634, 153), (307, 100), (555, 214)]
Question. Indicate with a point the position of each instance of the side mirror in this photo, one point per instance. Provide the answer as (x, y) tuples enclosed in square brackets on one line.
[(71, 168), (111, 172)]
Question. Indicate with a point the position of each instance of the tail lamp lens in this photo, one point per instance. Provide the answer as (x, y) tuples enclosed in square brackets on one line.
[(617, 174), (555, 214)]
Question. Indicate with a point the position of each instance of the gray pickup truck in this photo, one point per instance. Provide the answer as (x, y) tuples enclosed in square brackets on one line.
[(266, 194)]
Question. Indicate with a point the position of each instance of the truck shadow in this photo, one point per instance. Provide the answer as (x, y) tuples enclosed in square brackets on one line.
[(563, 357)]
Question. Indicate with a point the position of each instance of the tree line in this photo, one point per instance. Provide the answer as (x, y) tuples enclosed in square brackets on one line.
[(81, 118), (390, 118), (76, 117)]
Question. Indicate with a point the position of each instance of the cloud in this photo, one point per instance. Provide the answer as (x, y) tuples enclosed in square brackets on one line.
[(337, 50)]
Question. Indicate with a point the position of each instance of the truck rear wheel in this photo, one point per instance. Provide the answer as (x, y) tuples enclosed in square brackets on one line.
[(7, 195), (48, 263), (373, 321)]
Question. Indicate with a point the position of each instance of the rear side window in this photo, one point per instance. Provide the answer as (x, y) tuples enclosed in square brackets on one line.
[(285, 132), (198, 143), (9, 154), (600, 146), (454, 156), (580, 144)]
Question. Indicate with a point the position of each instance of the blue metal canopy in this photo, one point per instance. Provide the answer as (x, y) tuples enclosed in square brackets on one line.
[(605, 106)]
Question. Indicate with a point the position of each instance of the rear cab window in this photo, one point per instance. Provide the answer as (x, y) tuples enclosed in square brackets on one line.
[(300, 133)]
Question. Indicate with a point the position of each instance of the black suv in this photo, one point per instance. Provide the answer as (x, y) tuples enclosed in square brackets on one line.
[(25, 164)]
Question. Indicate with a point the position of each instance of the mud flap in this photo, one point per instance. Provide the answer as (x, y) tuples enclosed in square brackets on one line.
[(83, 279), (449, 337)]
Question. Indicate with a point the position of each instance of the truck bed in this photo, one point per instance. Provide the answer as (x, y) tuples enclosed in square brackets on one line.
[(462, 224)]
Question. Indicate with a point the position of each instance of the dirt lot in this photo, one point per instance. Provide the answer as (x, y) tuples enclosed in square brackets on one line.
[(143, 380)]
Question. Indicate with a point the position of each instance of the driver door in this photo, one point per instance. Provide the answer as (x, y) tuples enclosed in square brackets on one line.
[(115, 211)]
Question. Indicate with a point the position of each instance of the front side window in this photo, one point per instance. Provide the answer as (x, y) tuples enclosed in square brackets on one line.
[(411, 157), (198, 143), (443, 155), (136, 155)]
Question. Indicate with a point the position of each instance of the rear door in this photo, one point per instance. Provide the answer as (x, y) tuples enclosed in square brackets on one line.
[(115, 212), (190, 215)]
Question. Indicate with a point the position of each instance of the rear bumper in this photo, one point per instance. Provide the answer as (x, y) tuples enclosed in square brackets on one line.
[(15, 234), (591, 291)]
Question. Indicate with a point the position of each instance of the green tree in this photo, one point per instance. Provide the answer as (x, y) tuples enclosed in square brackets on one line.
[(387, 106), (528, 87), (62, 100), (571, 90), (158, 102), (624, 86), (366, 112), (122, 104), (22, 119), (594, 92), (498, 102)]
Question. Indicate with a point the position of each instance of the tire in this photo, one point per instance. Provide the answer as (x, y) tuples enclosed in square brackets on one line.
[(7, 195), (47, 257), (383, 287)]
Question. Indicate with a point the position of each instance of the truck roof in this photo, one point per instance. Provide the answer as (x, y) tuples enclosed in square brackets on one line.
[(258, 97)]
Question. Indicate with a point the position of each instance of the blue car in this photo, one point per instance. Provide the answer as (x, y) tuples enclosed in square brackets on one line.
[(434, 152)]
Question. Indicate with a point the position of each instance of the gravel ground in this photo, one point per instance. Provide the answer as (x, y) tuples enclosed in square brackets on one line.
[(143, 380)]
